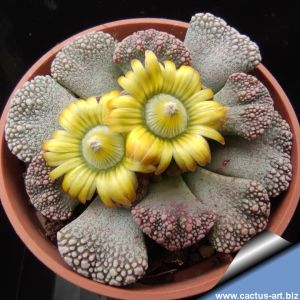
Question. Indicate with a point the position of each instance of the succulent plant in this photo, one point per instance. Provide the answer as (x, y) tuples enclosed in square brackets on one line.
[(104, 244), (83, 66), (267, 159), (219, 50), (32, 115), (172, 216), (158, 117), (46, 195), (166, 47), (241, 206), (250, 106)]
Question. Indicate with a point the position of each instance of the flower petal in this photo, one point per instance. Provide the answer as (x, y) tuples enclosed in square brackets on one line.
[(78, 112), (152, 156), (142, 146), (133, 139), (63, 135), (56, 158), (71, 123), (123, 101), (183, 157), (169, 75), (208, 132), (154, 71), (102, 184), (131, 84), (71, 177), (125, 118), (198, 148), (103, 109), (123, 125), (125, 113), (208, 115), (60, 146), (127, 183), (166, 157), (89, 187), (115, 189), (91, 107), (137, 166), (143, 76), (93, 188), (187, 82), (202, 107), (202, 95), (65, 167), (79, 182)]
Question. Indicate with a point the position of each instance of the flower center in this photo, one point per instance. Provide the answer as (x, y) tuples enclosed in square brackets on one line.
[(102, 149), (170, 108), (95, 143), (165, 116)]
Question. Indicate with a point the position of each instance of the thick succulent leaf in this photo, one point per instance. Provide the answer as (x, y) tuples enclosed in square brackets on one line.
[(242, 89), (242, 207), (267, 159), (172, 216), (104, 244), (47, 196), (278, 135), (250, 106), (248, 121), (33, 115), (219, 50), (164, 45), (85, 65)]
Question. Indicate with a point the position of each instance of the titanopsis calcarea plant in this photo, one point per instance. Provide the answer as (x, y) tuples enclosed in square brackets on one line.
[(111, 110)]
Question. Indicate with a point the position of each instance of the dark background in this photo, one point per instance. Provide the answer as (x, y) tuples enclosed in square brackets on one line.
[(28, 29)]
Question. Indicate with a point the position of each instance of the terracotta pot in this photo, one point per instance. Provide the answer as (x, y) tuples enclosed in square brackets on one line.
[(191, 281)]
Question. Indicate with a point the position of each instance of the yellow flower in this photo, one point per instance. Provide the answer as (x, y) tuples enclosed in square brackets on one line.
[(92, 157), (166, 114)]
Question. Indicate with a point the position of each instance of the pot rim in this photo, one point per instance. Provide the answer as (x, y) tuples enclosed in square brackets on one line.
[(191, 286)]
